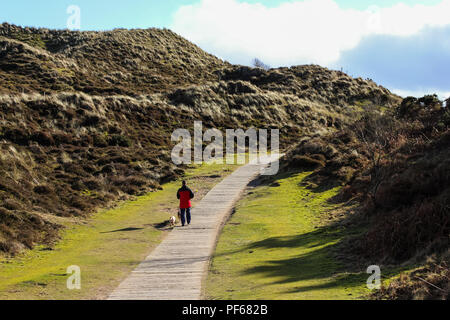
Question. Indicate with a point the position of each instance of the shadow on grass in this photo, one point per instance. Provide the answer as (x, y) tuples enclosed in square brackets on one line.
[(316, 260), (315, 263), (309, 182), (262, 181), (317, 238), (345, 280), (124, 230)]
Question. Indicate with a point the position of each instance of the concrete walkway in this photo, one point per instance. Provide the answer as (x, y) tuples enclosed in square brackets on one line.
[(176, 269)]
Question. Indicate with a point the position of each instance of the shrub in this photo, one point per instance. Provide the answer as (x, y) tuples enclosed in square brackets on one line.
[(347, 193), (136, 181), (132, 190), (306, 162), (399, 234), (430, 101), (412, 107), (119, 140), (43, 138), (43, 189), (100, 142), (313, 147), (74, 168), (446, 115), (319, 157), (6, 216), (78, 185), (78, 203), (91, 120), (122, 181), (92, 184), (11, 204), (259, 64), (430, 282), (121, 159), (62, 138), (108, 169), (17, 135)]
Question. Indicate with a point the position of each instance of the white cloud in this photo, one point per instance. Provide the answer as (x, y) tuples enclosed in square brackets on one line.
[(310, 31), (443, 95)]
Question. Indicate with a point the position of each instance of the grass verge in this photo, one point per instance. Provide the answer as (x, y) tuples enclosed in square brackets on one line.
[(106, 247), (277, 246)]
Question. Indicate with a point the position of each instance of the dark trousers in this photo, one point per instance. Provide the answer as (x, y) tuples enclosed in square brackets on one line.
[(185, 213)]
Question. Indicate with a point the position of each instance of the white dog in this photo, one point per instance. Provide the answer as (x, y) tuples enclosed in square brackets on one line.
[(173, 221)]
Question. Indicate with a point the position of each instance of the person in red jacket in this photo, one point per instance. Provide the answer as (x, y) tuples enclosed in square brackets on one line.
[(185, 195)]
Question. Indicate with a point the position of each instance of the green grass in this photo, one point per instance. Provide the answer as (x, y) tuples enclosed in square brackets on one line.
[(106, 247), (276, 247), (31, 39)]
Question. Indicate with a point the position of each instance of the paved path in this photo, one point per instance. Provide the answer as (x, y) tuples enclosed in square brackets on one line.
[(176, 269)]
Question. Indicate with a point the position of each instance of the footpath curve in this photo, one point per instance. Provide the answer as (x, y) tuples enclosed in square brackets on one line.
[(175, 270)]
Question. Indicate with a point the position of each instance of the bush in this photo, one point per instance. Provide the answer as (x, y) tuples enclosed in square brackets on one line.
[(319, 157), (399, 234), (17, 135), (79, 203), (43, 138), (259, 64), (446, 116), (306, 162), (6, 216), (313, 147), (108, 169), (129, 181), (121, 159), (92, 184), (91, 120), (11, 204), (62, 138), (136, 181), (74, 168), (430, 101), (43, 189), (412, 107), (100, 142), (430, 282), (131, 190), (119, 140)]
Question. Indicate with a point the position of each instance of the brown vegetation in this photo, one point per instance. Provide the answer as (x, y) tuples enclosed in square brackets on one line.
[(86, 117), (125, 62), (396, 166), (430, 282)]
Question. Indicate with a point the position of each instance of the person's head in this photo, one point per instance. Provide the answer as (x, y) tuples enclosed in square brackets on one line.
[(184, 183)]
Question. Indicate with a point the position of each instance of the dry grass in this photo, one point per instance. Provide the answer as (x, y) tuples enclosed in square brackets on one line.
[(86, 117), (114, 62), (430, 282), (397, 168)]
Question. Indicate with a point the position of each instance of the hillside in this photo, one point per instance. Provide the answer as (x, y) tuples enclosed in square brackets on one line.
[(86, 117), (118, 62), (395, 167)]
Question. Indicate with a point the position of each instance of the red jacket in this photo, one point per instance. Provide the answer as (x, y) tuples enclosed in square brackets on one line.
[(185, 195)]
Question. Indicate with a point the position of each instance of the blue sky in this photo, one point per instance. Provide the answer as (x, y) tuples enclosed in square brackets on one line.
[(107, 14), (402, 46)]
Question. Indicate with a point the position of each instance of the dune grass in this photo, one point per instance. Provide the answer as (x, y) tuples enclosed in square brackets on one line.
[(277, 247), (106, 247)]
